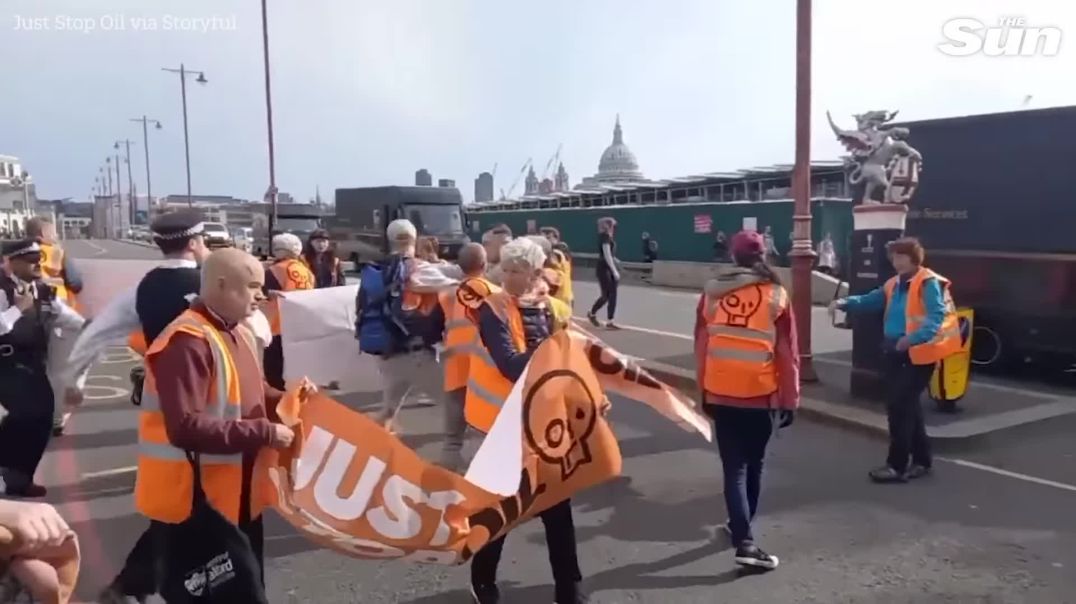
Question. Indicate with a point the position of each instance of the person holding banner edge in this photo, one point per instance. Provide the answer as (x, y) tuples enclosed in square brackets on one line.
[(512, 324), (748, 368)]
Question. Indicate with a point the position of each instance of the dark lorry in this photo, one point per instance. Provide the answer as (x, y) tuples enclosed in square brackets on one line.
[(296, 218), (362, 215), (993, 212)]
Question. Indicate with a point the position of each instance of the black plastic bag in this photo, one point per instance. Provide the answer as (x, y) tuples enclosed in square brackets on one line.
[(207, 559)]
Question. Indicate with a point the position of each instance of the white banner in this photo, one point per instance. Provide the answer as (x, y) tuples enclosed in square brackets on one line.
[(319, 340)]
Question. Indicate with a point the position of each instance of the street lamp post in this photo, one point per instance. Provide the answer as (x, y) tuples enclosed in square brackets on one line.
[(269, 120), (119, 189), (201, 79), (131, 202), (802, 254), (145, 145)]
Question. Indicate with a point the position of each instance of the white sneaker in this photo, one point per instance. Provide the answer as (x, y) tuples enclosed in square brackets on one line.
[(750, 555)]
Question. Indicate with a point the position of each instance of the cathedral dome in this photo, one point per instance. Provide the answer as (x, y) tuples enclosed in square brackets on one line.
[(618, 162)]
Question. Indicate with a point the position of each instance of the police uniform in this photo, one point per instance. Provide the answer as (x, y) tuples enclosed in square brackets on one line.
[(25, 391)]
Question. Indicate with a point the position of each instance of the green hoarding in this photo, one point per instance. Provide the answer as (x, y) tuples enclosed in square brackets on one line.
[(683, 231)]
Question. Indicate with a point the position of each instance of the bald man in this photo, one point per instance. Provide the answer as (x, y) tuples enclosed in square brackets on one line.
[(183, 368), (460, 306)]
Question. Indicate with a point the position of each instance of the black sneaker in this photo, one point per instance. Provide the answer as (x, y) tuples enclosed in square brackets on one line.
[(593, 319), (917, 471), (572, 595), (485, 594), (612, 326), (750, 555)]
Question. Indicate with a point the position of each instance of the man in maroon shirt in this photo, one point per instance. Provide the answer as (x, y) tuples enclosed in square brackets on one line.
[(231, 292)]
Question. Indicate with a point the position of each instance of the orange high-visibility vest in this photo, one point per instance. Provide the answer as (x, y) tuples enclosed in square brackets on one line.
[(487, 388), (461, 332), (165, 480), (137, 342), (52, 265), (947, 341), (292, 275), (742, 336)]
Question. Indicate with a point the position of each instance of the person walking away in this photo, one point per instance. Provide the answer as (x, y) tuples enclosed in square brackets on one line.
[(322, 262), (205, 395), (286, 273), (748, 367), (461, 341), (920, 328), (512, 324), (608, 273), (827, 255), (493, 240), (721, 247), (400, 321), (650, 248), (29, 310)]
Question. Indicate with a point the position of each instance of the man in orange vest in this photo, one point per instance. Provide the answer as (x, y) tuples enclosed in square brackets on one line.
[(748, 368), (920, 328), (512, 323), (461, 341), (205, 394), (286, 273)]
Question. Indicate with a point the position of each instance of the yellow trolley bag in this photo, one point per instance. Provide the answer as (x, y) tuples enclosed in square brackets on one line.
[(952, 374)]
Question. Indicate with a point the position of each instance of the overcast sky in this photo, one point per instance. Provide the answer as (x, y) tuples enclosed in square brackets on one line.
[(367, 92)]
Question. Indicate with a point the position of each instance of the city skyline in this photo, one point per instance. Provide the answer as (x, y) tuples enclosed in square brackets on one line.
[(364, 93)]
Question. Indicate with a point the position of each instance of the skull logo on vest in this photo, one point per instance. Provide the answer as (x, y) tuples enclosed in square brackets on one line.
[(561, 412), (738, 307)]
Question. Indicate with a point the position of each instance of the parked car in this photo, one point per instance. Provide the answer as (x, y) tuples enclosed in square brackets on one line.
[(243, 238), (216, 235)]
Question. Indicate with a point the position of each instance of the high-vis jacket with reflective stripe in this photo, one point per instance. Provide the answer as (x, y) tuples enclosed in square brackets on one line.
[(741, 338), (291, 275), (947, 341), (164, 486), (461, 334), (487, 387), (52, 265)]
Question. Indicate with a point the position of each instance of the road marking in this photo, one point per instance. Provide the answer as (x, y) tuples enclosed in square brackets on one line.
[(99, 250), (1007, 473), (668, 334), (109, 472)]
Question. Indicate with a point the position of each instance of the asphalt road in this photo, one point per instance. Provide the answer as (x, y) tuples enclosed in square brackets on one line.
[(967, 534)]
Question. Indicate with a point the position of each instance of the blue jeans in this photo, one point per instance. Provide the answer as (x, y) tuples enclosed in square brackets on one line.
[(742, 436)]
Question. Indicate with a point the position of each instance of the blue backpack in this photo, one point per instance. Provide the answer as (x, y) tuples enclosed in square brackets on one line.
[(380, 327)]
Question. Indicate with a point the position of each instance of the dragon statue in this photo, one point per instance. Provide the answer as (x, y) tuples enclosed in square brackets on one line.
[(880, 159)]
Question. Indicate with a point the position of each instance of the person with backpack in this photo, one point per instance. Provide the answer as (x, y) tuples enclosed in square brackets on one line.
[(400, 320)]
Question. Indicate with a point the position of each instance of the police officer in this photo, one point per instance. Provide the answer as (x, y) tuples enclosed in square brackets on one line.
[(29, 310)]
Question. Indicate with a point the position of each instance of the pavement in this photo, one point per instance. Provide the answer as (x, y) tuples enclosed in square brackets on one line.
[(993, 524)]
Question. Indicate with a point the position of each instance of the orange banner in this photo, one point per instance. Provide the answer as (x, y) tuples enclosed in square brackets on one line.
[(352, 487)]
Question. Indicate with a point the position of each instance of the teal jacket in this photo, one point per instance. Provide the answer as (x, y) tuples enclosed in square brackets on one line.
[(895, 321)]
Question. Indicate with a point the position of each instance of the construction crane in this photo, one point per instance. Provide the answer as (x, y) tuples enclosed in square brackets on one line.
[(515, 184), (552, 163)]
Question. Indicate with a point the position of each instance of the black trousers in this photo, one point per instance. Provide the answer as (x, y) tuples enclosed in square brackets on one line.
[(742, 436), (907, 428), (273, 361), (26, 394), (559, 540), (141, 571), (608, 286)]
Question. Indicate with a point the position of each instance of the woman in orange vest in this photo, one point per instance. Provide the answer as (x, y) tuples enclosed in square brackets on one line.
[(319, 257), (512, 324), (748, 368), (920, 328), (286, 273)]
